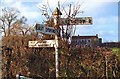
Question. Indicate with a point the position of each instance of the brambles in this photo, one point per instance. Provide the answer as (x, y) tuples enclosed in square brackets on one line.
[(74, 61)]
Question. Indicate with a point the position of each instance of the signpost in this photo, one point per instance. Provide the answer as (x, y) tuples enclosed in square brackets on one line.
[(54, 31), (45, 30), (77, 21)]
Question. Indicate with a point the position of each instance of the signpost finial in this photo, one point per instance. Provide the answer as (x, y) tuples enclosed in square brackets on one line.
[(56, 12)]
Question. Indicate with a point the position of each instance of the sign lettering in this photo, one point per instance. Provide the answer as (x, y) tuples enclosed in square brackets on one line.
[(44, 43), (77, 21), (45, 30)]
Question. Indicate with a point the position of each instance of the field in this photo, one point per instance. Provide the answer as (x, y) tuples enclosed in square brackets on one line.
[(116, 51)]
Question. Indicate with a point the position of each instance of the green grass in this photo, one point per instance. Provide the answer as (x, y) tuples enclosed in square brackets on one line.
[(116, 51)]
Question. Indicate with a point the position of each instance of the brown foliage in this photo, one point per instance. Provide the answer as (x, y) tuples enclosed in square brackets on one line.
[(17, 58)]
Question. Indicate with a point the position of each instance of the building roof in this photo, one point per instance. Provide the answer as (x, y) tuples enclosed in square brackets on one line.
[(84, 37)]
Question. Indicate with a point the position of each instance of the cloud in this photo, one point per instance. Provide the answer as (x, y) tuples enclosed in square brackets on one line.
[(98, 7), (111, 35), (33, 15), (106, 20), (50, 4), (95, 8), (115, 19), (10, 1), (102, 0), (61, 0)]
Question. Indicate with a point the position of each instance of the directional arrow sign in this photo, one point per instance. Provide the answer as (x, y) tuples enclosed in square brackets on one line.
[(77, 21), (45, 30), (44, 43)]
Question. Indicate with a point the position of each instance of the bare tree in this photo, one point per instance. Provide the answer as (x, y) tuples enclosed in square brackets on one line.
[(70, 13), (73, 10), (9, 16)]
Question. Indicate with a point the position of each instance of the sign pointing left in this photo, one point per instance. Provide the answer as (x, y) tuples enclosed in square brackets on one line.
[(44, 43), (45, 30)]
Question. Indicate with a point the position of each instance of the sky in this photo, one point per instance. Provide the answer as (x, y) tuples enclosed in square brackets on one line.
[(103, 12)]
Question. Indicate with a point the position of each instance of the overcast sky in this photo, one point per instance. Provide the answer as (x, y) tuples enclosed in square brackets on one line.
[(103, 12)]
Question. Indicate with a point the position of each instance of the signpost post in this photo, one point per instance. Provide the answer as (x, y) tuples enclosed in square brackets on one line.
[(51, 31), (56, 15)]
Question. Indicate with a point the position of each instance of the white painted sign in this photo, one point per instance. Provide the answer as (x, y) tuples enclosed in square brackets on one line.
[(23, 77), (44, 43), (45, 30), (77, 21)]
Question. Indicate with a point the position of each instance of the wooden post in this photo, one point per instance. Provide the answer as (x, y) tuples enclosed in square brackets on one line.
[(56, 14)]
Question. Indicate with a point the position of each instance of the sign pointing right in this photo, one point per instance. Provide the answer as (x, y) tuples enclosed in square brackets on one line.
[(77, 21)]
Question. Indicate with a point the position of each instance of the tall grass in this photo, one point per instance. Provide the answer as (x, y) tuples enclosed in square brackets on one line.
[(116, 51)]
